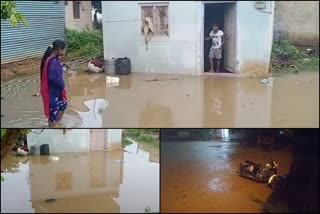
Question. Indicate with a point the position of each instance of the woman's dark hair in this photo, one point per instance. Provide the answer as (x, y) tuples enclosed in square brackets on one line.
[(55, 46)]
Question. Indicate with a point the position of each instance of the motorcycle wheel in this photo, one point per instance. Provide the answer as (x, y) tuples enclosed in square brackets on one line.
[(244, 169), (279, 182)]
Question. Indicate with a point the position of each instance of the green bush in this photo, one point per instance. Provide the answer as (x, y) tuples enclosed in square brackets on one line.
[(86, 43), (284, 50), (285, 55)]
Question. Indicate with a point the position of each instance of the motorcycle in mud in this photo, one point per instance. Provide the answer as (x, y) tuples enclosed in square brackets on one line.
[(264, 173)]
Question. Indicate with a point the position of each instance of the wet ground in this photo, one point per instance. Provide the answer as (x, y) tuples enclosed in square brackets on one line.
[(82, 182), (151, 100), (201, 176)]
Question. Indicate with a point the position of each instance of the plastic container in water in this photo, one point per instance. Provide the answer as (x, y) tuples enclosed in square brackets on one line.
[(123, 66), (110, 66), (34, 150), (44, 149)]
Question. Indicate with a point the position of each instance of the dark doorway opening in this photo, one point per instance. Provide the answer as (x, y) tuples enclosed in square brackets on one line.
[(215, 13)]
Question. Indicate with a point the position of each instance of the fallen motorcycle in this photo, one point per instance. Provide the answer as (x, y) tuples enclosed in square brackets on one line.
[(264, 173)]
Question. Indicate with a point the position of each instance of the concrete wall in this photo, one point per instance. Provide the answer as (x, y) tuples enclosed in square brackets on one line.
[(175, 53), (254, 38), (85, 15), (114, 139), (75, 140), (180, 52), (297, 21)]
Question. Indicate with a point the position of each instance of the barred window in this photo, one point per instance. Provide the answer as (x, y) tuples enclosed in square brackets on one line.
[(159, 16)]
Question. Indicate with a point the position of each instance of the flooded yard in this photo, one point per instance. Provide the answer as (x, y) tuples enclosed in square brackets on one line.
[(202, 176), (154, 100), (105, 182)]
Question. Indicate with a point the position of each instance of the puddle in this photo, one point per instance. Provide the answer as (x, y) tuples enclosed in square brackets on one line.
[(81, 182), (208, 101), (205, 175)]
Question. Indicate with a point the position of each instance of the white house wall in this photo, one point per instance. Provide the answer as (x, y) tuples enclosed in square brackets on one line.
[(176, 53), (114, 139), (254, 38), (85, 19), (181, 52), (75, 140)]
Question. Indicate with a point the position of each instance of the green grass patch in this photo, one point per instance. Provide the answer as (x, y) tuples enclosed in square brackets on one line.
[(131, 132), (286, 57), (125, 142), (3, 132), (146, 136), (85, 43)]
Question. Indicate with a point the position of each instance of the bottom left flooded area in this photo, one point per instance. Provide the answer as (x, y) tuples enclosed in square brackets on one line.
[(79, 170)]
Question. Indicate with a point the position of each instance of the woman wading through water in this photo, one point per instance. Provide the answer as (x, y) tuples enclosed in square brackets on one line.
[(52, 88)]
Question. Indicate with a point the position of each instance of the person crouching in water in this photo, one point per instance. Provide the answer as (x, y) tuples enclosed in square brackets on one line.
[(52, 88)]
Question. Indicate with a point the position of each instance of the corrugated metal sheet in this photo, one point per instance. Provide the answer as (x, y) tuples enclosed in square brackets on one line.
[(46, 23)]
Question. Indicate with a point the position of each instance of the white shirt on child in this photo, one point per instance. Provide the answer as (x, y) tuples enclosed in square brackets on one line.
[(216, 39)]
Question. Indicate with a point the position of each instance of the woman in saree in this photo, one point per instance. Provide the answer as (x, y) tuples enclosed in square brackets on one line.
[(52, 88)]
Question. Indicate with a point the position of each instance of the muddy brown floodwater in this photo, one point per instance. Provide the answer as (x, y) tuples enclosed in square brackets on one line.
[(154, 100), (82, 182), (201, 176)]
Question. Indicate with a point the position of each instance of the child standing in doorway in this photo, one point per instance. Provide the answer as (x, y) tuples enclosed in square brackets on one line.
[(217, 38)]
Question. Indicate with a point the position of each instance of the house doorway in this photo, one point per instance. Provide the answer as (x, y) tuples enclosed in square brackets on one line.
[(98, 139), (223, 14)]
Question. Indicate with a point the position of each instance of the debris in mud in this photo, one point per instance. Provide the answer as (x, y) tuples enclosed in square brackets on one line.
[(36, 95), (295, 68), (148, 210), (50, 200), (52, 158), (268, 82), (119, 161), (216, 146), (112, 79), (154, 80)]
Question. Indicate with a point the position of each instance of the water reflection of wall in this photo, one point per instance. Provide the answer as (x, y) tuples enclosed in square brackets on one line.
[(236, 102), (159, 103), (76, 140), (152, 150), (82, 182), (87, 97)]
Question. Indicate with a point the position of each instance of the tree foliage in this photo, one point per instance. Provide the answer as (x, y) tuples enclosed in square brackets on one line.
[(9, 138), (9, 12)]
